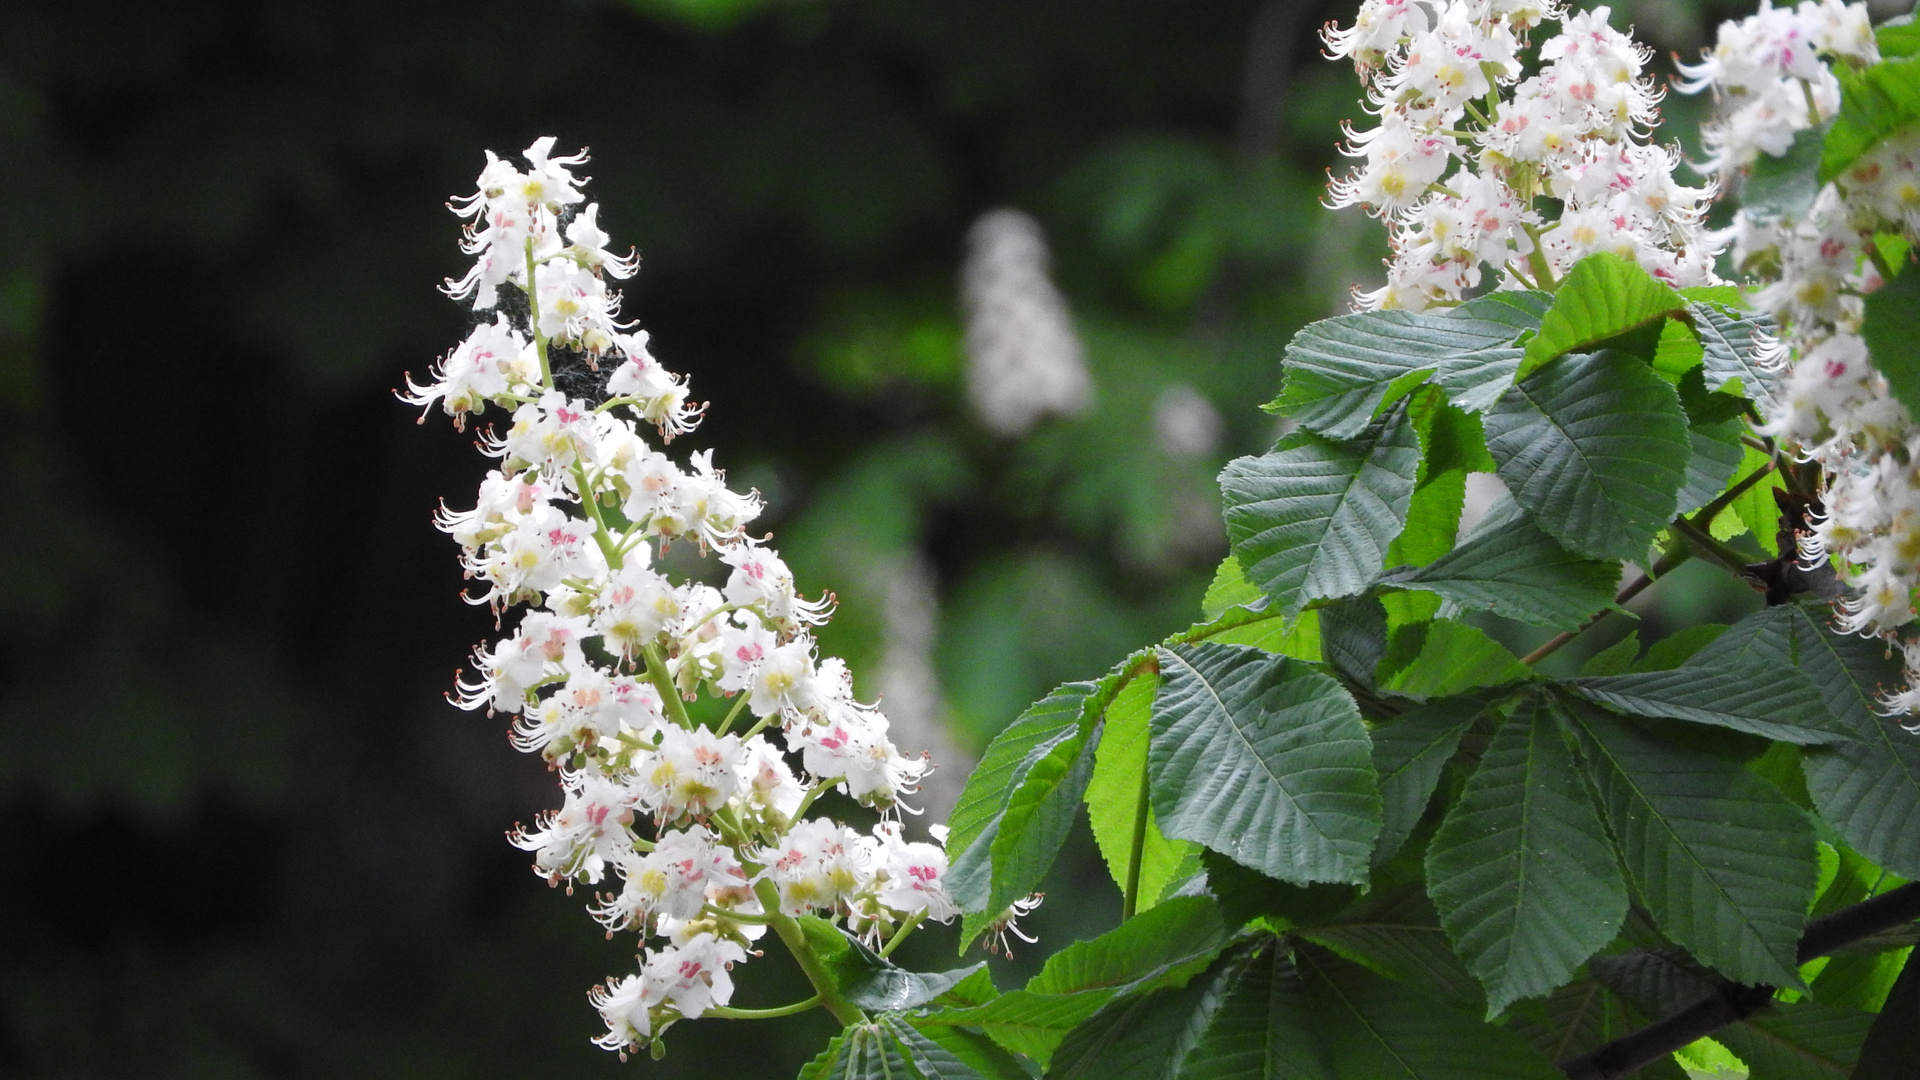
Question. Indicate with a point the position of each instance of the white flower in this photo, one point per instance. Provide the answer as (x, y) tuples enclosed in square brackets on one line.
[(912, 875), (690, 774)]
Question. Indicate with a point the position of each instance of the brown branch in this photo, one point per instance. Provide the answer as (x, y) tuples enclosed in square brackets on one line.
[(1733, 1001)]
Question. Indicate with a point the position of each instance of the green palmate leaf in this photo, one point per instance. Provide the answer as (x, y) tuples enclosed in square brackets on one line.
[(1313, 518), (1378, 1029), (1298, 636), (1677, 352), (1716, 454), (953, 1053), (1020, 803), (1230, 589), (1145, 1036), (1738, 346), (1342, 372), (1888, 332), (1594, 446), (1176, 933), (1572, 1020), (1443, 657), (1408, 754), (1521, 870), (1115, 796), (1860, 981), (870, 981), (1785, 186), (1615, 659), (1510, 567), (1246, 895), (862, 1052), (1899, 36), (1868, 786), (1678, 647), (1873, 103), (1746, 680), (1893, 1043), (1396, 933), (1353, 638), (1725, 863), (1163, 948), (1603, 297), (1265, 760), (1802, 1041), (1262, 1029), (1756, 509)]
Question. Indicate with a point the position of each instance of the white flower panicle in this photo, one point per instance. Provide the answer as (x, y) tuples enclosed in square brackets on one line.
[(1468, 143), (1773, 75), (703, 826), (1024, 361)]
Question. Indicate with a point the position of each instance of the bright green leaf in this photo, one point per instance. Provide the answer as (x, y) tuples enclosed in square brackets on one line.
[(1443, 657), (1114, 796), (1265, 760), (1313, 518), (1888, 332), (1602, 297), (1873, 104), (953, 1053), (1230, 588), (1594, 446)]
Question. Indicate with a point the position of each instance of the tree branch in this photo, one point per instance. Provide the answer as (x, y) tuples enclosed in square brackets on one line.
[(1733, 1001)]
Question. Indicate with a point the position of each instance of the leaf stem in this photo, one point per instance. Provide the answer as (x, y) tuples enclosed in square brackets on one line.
[(734, 713), (727, 1012), (1675, 554)]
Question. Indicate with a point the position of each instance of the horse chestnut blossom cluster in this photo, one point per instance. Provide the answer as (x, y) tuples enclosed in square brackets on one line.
[(703, 826), (1773, 76), (1468, 144)]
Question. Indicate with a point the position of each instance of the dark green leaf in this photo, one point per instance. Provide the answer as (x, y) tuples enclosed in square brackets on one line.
[(1313, 518), (869, 980), (1745, 680), (1007, 760), (1145, 1036), (1717, 453), (1246, 895), (1265, 760), (1570, 1021), (1867, 787), (865, 1052), (953, 1053), (1888, 332), (1678, 647), (1521, 870), (1784, 186), (1873, 103), (1510, 567), (1594, 446), (1893, 1044), (1396, 933), (1263, 1030), (1738, 345), (1615, 659), (1353, 638), (1725, 863), (1602, 297), (1380, 1030), (1342, 371), (1409, 753)]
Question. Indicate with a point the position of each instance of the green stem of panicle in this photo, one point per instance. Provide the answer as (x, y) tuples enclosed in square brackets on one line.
[(726, 1012), (796, 942), (533, 322), (590, 502), (1543, 278), (662, 681), (900, 934)]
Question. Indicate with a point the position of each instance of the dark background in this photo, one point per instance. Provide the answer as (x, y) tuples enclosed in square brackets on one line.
[(244, 835)]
